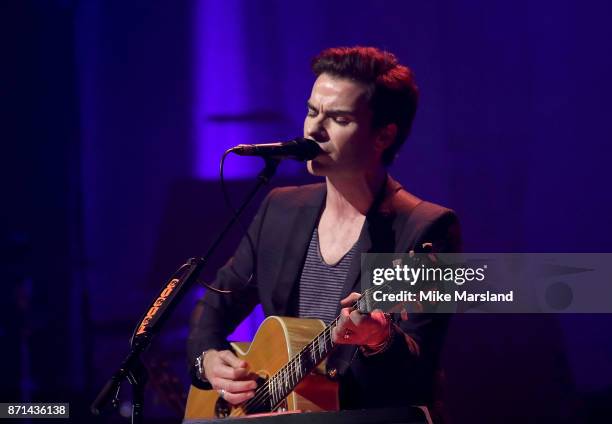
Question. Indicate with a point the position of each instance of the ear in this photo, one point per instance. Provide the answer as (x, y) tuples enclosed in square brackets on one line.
[(386, 137)]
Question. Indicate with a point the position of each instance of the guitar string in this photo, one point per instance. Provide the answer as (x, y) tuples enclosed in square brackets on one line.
[(260, 398), (273, 387)]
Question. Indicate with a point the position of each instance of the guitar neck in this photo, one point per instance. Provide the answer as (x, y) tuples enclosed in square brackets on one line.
[(284, 381), (278, 386), (299, 366), (303, 363)]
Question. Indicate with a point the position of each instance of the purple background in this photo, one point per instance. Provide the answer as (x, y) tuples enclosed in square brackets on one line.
[(115, 112)]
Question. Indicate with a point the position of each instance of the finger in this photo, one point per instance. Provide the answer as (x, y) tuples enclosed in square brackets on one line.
[(238, 398), (379, 316), (240, 386), (346, 338), (350, 299), (344, 316), (356, 318), (337, 335), (340, 337), (232, 360), (344, 322), (344, 328), (230, 373), (234, 386), (339, 329)]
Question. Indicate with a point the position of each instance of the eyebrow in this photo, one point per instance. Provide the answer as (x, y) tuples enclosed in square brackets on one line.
[(333, 112)]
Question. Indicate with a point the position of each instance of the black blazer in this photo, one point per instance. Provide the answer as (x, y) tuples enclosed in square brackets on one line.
[(279, 237)]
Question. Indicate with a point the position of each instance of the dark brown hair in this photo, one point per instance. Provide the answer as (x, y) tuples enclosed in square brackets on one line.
[(393, 94)]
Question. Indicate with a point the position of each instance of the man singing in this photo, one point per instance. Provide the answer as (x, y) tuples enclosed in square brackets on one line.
[(304, 260)]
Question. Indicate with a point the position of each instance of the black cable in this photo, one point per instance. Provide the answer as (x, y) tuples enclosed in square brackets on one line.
[(228, 200), (234, 211)]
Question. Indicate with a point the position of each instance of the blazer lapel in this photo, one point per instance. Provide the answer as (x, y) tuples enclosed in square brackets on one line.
[(378, 234), (294, 250)]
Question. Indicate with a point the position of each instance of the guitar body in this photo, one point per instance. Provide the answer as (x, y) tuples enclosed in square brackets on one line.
[(277, 340)]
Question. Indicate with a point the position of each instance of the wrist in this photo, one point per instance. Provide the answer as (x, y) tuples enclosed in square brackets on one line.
[(199, 365)]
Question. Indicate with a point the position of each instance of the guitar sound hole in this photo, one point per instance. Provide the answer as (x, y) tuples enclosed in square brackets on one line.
[(223, 408), (259, 407)]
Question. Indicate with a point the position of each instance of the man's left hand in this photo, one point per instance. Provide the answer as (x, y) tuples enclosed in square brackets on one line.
[(355, 328)]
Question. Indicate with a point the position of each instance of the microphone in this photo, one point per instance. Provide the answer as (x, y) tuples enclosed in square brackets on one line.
[(301, 149)]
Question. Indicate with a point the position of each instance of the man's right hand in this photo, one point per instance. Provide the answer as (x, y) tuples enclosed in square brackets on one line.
[(229, 375)]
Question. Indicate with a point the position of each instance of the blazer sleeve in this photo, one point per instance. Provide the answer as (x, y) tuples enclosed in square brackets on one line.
[(405, 374), (217, 315)]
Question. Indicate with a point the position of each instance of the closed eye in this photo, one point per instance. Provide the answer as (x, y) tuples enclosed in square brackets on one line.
[(341, 120), (312, 111)]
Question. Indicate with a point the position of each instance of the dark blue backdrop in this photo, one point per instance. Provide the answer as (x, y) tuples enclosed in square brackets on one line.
[(116, 111)]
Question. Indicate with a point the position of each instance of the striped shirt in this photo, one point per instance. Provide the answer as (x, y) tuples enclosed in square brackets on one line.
[(321, 284)]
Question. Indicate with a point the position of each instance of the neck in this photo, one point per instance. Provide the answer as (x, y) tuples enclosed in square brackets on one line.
[(353, 196)]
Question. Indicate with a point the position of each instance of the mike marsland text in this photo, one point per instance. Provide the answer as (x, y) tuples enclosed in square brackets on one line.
[(437, 296)]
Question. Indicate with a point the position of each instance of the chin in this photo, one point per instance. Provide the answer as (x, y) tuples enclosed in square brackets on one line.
[(312, 168), (316, 168)]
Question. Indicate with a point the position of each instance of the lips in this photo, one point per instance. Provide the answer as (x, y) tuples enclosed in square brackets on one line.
[(321, 146)]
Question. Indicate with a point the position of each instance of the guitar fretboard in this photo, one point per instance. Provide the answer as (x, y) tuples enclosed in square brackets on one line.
[(277, 387)]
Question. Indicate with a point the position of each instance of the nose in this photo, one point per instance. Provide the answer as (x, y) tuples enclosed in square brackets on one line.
[(314, 129)]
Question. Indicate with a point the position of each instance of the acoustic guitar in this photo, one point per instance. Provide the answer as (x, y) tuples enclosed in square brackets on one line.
[(287, 354)]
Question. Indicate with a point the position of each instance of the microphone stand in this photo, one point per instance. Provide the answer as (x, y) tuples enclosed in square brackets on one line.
[(132, 368)]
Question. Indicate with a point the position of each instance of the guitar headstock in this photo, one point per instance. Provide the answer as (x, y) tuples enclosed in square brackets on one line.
[(391, 282)]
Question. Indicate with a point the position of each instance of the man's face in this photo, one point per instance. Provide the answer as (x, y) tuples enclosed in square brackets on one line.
[(339, 119)]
